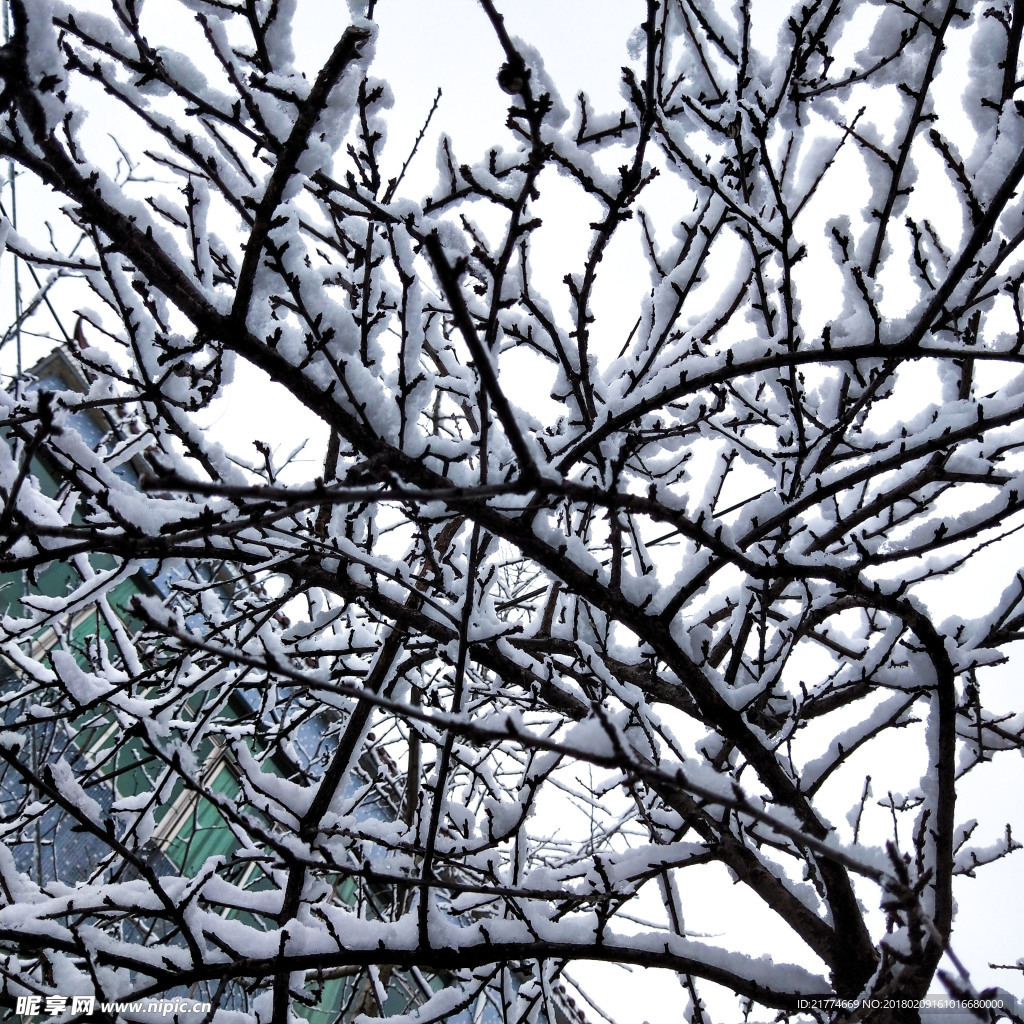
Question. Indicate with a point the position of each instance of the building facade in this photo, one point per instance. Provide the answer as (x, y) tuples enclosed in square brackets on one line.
[(83, 756)]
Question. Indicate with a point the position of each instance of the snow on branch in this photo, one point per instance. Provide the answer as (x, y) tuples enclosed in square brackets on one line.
[(414, 583)]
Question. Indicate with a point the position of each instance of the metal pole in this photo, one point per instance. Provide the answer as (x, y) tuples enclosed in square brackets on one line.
[(14, 224)]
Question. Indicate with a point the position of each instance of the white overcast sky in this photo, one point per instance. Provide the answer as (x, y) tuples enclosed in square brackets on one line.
[(426, 44)]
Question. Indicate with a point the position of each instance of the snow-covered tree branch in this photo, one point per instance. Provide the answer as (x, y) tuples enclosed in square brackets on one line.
[(654, 459)]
